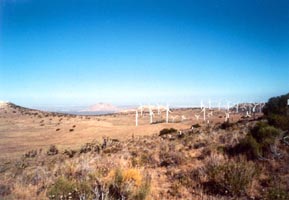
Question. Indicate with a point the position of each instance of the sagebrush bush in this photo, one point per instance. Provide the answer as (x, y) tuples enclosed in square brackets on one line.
[(277, 193), (128, 184), (257, 142), (61, 187), (230, 178)]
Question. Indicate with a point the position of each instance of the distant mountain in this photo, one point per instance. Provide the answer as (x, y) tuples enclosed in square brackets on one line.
[(102, 107)]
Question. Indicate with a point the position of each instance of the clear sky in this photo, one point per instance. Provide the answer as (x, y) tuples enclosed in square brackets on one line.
[(69, 52)]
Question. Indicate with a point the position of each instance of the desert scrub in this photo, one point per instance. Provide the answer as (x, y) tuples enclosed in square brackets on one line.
[(171, 158), (230, 177), (61, 188), (277, 193), (128, 184), (52, 150), (257, 142), (64, 188)]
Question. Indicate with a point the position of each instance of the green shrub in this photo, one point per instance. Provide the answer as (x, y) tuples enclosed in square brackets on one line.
[(276, 110), (277, 193), (257, 142), (230, 178), (276, 105), (280, 121), (144, 190), (128, 184), (62, 187), (264, 133)]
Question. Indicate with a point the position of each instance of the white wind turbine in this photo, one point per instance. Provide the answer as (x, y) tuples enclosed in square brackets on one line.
[(202, 105), (151, 114), (141, 109), (228, 105), (173, 118), (136, 117), (210, 114), (197, 117), (167, 113), (227, 116), (247, 114), (250, 108), (159, 110), (254, 107), (204, 112), (183, 118), (210, 104)]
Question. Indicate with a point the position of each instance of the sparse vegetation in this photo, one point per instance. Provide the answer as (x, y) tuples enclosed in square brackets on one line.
[(277, 112), (229, 178), (257, 142), (244, 160)]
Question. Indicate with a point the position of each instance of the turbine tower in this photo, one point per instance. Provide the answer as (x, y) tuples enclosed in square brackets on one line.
[(204, 112), (227, 116), (151, 115), (136, 117), (141, 109), (167, 113)]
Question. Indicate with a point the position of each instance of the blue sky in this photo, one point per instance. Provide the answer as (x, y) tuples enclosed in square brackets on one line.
[(69, 52)]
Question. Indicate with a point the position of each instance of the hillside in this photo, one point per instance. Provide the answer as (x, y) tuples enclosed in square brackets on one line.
[(245, 158)]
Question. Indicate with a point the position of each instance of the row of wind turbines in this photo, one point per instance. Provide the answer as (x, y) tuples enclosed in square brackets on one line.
[(206, 111), (151, 113)]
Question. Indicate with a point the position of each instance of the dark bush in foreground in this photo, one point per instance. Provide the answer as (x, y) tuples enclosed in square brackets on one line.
[(196, 126), (167, 131), (257, 142), (52, 150), (277, 112)]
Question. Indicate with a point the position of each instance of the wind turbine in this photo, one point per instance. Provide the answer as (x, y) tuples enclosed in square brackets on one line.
[(167, 113), (227, 116), (228, 105), (183, 118), (151, 115), (159, 109), (210, 104), (210, 114), (204, 112), (141, 110), (247, 114), (197, 117), (254, 107), (250, 107), (136, 117), (202, 105), (173, 118)]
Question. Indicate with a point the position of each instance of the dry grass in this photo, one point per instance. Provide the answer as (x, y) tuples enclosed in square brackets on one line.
[(145, 166)]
